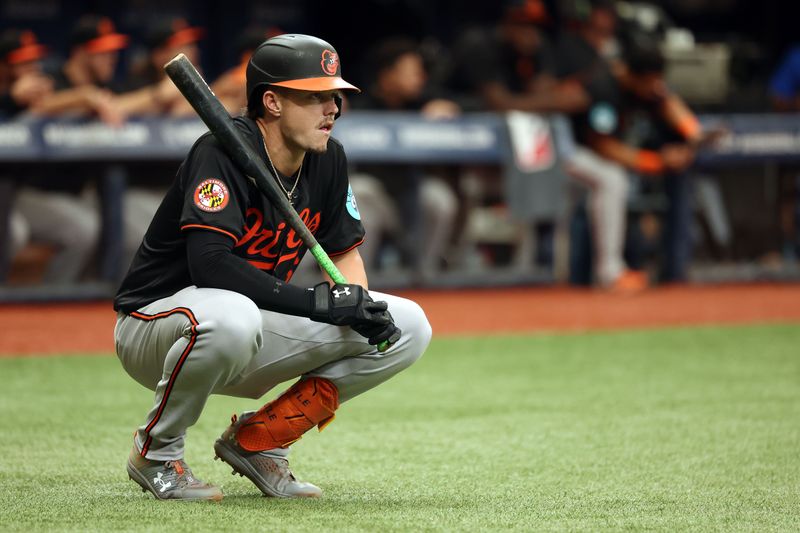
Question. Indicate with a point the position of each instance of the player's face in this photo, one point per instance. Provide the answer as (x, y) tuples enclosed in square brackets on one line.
[(307, 118), (408, 76), (603, 23), (102, 65)]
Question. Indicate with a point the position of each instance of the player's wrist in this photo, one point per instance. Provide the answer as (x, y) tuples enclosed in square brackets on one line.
[(321, 303), (650, 162)]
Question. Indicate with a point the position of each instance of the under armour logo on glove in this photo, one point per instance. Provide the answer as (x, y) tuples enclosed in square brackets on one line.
[(345, 305), (337, 293)]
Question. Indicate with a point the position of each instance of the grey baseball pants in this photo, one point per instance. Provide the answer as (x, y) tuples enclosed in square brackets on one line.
[(608, 183), (199, 342)]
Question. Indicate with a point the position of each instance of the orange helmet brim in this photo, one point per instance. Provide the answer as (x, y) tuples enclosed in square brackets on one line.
[(325, 83)]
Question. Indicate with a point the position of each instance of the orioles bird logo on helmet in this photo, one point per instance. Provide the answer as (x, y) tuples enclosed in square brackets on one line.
[(330, 62)]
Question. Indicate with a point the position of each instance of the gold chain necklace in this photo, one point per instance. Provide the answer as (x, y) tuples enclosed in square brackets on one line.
[(289, 194)]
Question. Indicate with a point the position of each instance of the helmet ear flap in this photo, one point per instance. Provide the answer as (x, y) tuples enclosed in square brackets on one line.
[(338, 100)]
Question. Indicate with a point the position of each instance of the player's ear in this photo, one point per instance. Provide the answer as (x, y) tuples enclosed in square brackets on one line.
[(272, 103)]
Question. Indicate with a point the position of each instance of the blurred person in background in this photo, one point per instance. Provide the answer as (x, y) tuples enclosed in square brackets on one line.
[(667, 134), (230, 86), (404, 204), (584, 58), (46, 208), (148, 90), (91, 65), (22, 83), (512, 66), (27, 88)]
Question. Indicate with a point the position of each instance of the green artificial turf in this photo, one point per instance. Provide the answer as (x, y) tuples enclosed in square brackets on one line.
[(679, 429)]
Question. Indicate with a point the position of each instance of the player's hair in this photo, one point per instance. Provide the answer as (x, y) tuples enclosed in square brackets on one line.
[(255, 104)]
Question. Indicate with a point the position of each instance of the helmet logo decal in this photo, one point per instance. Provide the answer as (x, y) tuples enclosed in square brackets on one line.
[(330, 62)]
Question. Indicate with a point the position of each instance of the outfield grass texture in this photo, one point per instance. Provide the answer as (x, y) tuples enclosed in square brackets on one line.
[(674, 429)]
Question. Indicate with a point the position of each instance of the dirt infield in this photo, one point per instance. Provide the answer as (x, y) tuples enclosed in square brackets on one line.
[(88, 328)]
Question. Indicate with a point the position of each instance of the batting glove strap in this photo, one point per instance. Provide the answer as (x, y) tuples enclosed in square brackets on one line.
[(346, 305)]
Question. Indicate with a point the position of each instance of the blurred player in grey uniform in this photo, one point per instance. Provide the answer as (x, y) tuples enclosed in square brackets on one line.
[(47, 210)]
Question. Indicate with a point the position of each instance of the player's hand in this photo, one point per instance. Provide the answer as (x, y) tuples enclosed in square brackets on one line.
[(345, 305), (30, 88), (440, 109), (677, 157), (378, 333), (102, 103)]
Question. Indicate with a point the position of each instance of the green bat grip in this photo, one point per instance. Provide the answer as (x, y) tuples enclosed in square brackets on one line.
[(337, 277)]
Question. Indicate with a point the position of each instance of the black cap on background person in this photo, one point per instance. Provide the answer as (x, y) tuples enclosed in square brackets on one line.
[(164, 39), (94, 53), (525, 12), (20, 46), (172, 33), (22, 82), (97, 34)]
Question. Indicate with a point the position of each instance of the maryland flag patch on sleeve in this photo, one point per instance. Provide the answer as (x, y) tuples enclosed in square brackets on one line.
[(211, 195)]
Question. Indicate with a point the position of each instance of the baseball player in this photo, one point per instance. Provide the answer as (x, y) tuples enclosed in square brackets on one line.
[(206, 307)]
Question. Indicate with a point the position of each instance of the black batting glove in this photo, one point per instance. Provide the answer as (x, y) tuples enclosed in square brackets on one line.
[(378, 333), (345, 305)]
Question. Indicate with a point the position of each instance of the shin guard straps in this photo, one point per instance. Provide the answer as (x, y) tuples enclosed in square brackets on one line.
[(284, 420)]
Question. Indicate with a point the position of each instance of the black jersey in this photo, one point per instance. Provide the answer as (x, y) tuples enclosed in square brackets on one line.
[(612, 111), (611, 107), (579, 61), (211, 194)]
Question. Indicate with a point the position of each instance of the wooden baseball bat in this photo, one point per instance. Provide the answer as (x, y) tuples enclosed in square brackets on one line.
[(197, 92)]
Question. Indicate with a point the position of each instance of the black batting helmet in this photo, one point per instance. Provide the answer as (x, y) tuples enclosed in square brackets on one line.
[(295, 61)]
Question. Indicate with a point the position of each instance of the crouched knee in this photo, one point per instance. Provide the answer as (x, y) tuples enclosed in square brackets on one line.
[(232, 332), (417, 332)]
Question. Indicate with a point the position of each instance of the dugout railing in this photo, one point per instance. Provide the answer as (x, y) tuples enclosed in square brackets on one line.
[(482, 139)]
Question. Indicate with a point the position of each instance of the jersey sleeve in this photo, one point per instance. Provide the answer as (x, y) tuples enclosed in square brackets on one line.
[(340, 229), (215, 192), (603, 117)]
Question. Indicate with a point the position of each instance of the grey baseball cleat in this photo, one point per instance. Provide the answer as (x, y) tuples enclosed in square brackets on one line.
[(169, 480), (268, 470)]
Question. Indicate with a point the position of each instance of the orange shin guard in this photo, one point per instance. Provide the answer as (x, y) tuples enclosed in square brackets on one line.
[(285, 419)]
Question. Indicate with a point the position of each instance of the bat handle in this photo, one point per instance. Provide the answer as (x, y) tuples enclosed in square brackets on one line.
[(327, 265)]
